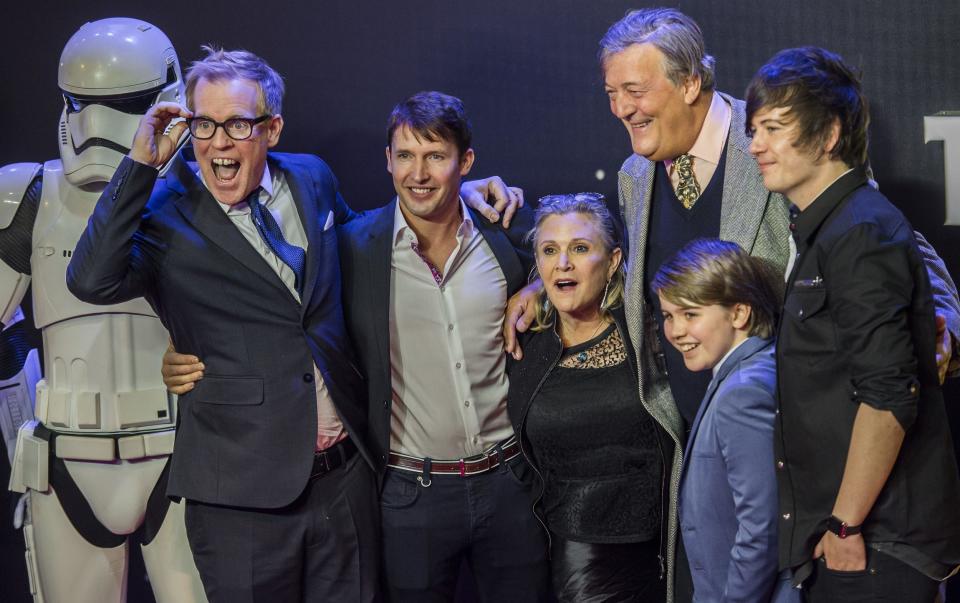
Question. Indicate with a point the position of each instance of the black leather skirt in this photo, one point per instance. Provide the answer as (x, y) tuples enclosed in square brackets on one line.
[(608, 573)]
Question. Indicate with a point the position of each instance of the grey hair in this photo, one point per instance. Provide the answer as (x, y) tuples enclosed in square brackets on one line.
[(220, 65), (673, 33)]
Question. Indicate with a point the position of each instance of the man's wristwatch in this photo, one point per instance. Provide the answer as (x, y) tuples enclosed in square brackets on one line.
[(840, 527)]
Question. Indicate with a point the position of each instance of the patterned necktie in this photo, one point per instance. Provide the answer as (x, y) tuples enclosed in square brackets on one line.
[(687, 190), (291, 255)]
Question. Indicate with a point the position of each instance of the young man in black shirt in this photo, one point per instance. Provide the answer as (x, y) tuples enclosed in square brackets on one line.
[(867, 480)]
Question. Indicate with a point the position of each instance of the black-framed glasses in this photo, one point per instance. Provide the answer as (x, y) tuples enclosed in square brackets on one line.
[(237, 128)]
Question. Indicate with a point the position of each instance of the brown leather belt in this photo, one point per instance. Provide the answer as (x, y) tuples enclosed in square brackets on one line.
[(325, 461), (462, 467)]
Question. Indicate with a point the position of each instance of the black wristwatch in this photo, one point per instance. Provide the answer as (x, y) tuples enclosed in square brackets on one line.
[(840, 527)]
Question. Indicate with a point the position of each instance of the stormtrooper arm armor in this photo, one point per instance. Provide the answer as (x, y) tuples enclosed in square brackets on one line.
[(19, 373), (20, 188)]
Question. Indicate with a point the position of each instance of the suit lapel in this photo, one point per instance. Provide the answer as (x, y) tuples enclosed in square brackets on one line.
[(379, 256), (707, 399), (198, 207), (636, 187), (502, 249), (744, 196), (747, 348), (302, 191)]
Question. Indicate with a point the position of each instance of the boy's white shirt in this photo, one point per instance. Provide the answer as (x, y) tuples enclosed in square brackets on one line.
[(717, 366)]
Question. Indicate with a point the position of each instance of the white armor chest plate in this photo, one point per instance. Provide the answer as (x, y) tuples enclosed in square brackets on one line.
[(102, 363)]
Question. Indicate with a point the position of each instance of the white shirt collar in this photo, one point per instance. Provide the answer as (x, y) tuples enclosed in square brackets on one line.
[(716, 367), (400, 226), (266, 193), (713, 133)]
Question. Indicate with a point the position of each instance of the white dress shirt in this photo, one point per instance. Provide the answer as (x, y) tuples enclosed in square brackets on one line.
[(708, 147), (446, 347)]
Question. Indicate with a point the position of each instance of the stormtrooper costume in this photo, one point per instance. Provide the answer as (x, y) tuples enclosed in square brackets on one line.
[(19, 373), (94, 461)]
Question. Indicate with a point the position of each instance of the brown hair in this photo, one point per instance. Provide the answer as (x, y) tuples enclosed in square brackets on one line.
[(434, 116), (818, 88), (710, 271)]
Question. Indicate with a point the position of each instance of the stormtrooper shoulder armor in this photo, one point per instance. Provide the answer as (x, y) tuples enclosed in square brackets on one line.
[(15, 179)]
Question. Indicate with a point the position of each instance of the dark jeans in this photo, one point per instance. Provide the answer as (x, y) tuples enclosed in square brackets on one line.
[(584, 573), (884, 579), (322, 547), (486, 519)]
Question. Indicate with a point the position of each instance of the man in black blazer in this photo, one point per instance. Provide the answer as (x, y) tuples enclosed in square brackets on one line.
[(425, 282), (238, 256)]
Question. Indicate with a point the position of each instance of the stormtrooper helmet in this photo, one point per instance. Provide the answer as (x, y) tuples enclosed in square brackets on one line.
[(111, 72)]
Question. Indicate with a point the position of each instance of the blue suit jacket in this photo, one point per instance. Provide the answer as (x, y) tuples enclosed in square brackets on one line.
[(246, 433), (728, 487)]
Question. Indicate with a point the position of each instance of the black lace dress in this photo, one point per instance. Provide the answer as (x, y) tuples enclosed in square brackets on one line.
[(597, 450)]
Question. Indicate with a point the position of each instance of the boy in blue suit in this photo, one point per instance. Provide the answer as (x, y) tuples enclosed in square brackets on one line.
[(719, 306)]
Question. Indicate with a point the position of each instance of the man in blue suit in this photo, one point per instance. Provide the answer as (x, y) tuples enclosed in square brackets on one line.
[(238, 256), (719, 311)]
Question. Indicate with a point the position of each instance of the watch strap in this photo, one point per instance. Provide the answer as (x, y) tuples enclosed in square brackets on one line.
[(840, 527)]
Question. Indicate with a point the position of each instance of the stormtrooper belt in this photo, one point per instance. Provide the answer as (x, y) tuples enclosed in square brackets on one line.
[(109, 448)]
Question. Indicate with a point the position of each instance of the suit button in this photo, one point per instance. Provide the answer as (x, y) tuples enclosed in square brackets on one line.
[(308, 377), (800, 313), (780, 464), (786, 516), (386, 404)]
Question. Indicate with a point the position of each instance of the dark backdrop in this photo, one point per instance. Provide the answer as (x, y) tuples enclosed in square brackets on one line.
[(526, 70)]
